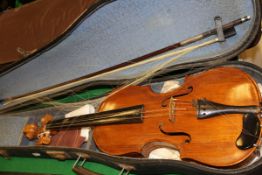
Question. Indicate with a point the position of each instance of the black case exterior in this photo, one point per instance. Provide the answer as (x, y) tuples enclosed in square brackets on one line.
[(146, 166)]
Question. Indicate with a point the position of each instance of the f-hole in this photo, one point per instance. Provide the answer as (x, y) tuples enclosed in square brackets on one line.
[(182, 93), (175, 133)]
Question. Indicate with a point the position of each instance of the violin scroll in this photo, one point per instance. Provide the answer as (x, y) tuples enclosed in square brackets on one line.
[(33, 131)]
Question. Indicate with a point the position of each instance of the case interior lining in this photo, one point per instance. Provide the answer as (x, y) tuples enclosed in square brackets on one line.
[(11, 126), (123, 30)]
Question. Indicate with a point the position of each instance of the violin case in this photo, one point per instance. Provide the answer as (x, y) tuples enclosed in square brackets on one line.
[(86, 38)]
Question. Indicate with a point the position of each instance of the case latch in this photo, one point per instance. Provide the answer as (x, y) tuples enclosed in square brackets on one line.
[(60, 155), (80, 170), (125, 169)]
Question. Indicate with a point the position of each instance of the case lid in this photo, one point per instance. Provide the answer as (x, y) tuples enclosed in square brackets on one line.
[(123, 30), (27, 30)]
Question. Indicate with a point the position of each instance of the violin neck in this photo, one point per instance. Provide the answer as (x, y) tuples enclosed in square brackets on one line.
[(119, 116)]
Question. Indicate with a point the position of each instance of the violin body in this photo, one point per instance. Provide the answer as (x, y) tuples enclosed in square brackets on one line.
[(210, 141)]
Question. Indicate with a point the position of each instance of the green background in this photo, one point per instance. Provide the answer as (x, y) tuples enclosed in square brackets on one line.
[(41, 165)]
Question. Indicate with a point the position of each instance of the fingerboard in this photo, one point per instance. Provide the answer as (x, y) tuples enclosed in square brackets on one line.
[(127, 115)]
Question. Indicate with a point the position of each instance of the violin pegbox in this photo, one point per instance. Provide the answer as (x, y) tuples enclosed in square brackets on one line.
[(33, 131)]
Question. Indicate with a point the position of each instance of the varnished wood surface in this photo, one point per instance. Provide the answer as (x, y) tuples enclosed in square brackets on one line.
[(213, 139)]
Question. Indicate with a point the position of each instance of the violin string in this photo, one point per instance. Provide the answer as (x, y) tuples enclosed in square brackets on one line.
[(155, 114), (161, 115), (223, 114), (146, 112), (57, 108), (62, 127), (76, 120), (82, 121), (177, 109)]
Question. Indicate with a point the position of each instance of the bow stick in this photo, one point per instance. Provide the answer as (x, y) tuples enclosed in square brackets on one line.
[(7, 105)]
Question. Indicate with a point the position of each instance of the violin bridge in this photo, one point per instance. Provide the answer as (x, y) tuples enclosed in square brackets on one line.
[(172, 106)]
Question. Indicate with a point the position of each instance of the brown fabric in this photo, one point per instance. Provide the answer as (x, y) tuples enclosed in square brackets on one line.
[(33, 26), (68, 138)]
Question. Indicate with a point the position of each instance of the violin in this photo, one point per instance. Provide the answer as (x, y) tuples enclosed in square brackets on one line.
[(213, 119)]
